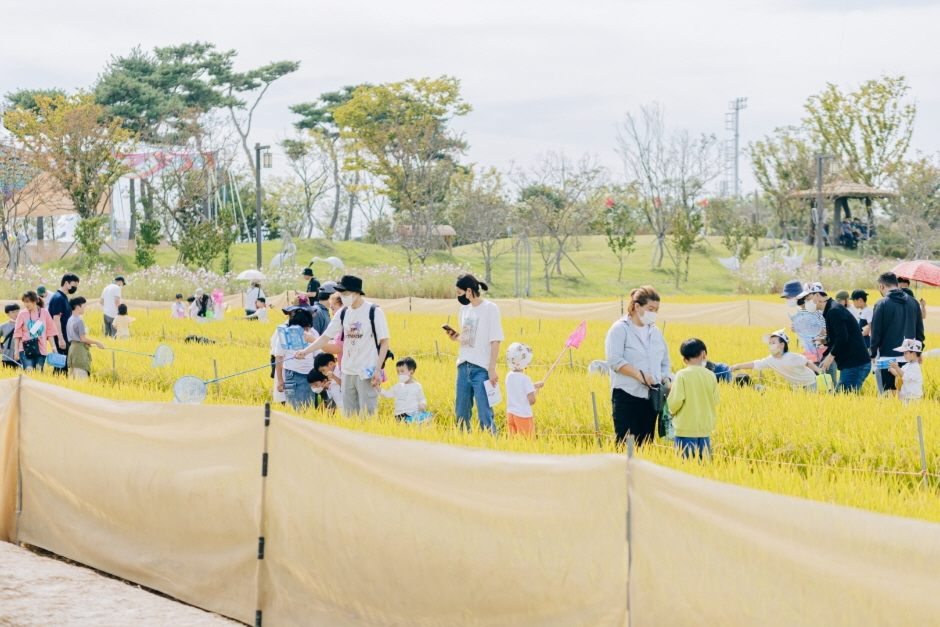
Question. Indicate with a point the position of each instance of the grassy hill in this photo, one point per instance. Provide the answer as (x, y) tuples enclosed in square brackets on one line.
[(593, 258)]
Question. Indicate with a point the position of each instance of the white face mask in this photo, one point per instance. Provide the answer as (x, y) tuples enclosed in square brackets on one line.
[(776, 349), (348, 299), (647, 317), (316, 390), (404, 378), (810, 305), (791, 302)]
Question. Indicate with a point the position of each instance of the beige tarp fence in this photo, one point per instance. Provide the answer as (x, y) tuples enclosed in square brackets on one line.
[(368, 530), (708, 553), (363, 530)]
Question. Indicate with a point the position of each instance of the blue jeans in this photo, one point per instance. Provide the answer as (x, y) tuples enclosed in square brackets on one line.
[(702, 447), (470, 378), (29, 364), (851, 379), (297, 390)]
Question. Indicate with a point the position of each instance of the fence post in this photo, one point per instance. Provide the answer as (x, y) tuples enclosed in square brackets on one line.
[(597, 427), (923, 453), (570, 360), (113, 367), (231, 338), (437, 349), (630, 444), (748, 312), (264, 474), (163, 328), (540, 325), (215, 369)]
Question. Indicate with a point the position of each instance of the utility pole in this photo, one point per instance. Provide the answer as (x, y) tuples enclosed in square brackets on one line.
[(819, 213), (732, 120), (267, 164)]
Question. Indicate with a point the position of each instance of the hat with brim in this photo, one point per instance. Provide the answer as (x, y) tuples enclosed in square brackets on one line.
[(350, 283), (913, 346), (326, 289), (811, 288), (791, 289), (308, 272), (778, 334)]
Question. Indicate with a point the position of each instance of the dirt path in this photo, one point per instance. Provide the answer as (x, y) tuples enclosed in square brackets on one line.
[(38, 591)]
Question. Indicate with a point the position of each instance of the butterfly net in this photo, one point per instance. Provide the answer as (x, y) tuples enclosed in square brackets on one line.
[(162, 357), (190, 389)]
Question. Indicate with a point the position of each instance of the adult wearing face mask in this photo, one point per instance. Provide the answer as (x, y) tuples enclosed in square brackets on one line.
[(481, 331), (58, 307), (638, 358), (845, 344), (897, 317)]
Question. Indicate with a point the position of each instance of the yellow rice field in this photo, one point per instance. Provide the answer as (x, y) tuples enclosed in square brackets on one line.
[(859, 451)]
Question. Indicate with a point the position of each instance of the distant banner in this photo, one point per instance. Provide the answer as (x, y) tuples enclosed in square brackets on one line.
[(146, 164)]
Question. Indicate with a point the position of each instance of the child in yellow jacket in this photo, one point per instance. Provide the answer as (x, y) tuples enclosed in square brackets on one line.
[(694, 400)]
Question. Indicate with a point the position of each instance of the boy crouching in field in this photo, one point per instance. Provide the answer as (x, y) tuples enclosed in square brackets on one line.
[(693, 401), (79, 357)]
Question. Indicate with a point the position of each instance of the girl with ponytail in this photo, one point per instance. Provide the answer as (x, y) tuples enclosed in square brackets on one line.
[(480, 333), (639, 362)]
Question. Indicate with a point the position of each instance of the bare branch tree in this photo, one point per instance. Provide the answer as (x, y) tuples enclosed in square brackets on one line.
[(481, 213)]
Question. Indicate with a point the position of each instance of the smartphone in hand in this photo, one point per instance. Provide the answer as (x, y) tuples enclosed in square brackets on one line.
[(448, 328)]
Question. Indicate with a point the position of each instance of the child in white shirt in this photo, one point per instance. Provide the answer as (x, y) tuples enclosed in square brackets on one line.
[(178, 311), (520, 391), (910, 376), (795, 368), (261, 312), (325, 382), (408, 393)]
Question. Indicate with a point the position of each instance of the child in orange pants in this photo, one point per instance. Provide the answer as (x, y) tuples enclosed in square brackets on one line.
[(520, 391)]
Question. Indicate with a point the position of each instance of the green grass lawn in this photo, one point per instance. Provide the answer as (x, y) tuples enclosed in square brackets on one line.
[(593, 258)]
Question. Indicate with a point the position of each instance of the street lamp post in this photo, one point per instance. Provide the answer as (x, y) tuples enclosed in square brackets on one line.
[(820, 158), (258, 163)]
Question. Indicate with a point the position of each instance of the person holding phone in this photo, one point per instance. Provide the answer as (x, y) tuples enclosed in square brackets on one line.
[(481, 332)]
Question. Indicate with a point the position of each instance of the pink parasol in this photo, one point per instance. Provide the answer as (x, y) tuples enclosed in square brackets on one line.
[(922, 271)]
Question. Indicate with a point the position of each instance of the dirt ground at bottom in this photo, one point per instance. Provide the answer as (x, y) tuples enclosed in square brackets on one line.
[(38, 591)]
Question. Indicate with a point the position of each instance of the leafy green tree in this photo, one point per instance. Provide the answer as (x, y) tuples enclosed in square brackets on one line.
[(480, 213), (317, 120), (684, 235), (783, 163), (739, 231), (78, 143), (26, 98), (147, 239), (915, 213), (619, 225), (869, 128), (401, 136)]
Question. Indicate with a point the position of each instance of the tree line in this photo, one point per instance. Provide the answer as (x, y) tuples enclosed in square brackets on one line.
[(387, 157)]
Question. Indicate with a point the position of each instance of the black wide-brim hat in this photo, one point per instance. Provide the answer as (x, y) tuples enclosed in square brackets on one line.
[(350, 283)]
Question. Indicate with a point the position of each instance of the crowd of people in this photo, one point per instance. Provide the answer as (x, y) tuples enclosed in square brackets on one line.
[(850, 340), (332, 351)]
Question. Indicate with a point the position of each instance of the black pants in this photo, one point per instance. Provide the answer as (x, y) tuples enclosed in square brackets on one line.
[(634, 416), (888, 381)]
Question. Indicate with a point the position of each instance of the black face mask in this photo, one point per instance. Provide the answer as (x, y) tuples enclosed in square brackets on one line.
[(73, 289), (463, 300)]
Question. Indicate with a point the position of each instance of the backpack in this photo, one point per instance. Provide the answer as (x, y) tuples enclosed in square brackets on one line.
[(372, 308)]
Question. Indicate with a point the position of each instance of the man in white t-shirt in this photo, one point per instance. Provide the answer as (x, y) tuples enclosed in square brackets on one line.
[(481, 331), (365, 346), (110, 301)]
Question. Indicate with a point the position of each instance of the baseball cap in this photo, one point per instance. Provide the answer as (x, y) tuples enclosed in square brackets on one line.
[(915, 346), (780, 334), (811, 288), (842, 295)]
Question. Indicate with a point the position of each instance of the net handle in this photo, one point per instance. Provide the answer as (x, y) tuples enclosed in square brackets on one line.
[(121, 350), (229, 376)]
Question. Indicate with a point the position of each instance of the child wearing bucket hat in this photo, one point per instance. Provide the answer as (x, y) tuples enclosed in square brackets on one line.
[(910, 376), (795, 368), (520, 391)]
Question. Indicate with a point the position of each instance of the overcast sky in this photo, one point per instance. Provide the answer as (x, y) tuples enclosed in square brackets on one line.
[(541, 75)]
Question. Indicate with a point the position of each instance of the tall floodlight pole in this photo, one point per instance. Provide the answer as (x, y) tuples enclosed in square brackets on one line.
[(819, 213), (732, 120), (258, 164)]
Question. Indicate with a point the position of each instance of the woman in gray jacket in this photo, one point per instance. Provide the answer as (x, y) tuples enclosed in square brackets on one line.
[(638, 358)]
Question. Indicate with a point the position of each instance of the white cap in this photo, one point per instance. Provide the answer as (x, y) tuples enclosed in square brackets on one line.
[(811, 288), (781, 334), (914, 346)]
